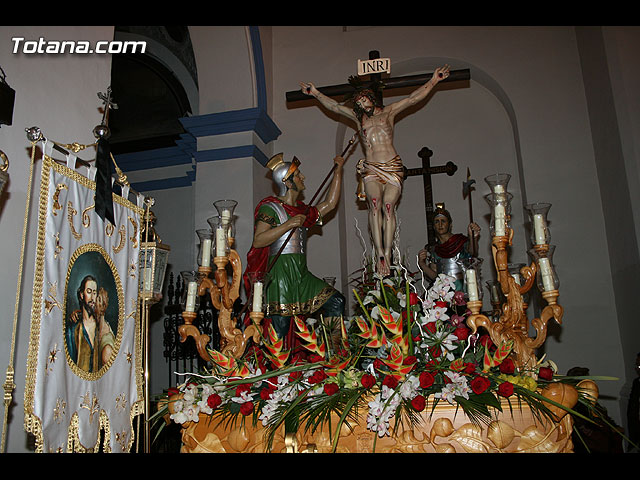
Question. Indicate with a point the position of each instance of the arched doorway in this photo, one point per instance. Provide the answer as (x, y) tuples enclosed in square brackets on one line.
[(150, 94)]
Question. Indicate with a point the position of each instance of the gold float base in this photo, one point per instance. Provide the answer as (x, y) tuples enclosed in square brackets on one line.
[(446, 429)]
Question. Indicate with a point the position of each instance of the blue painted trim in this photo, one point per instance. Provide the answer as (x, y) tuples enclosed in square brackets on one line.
[(181, 154), (162, 157), (261, 84), (234, 121), (163, 184)]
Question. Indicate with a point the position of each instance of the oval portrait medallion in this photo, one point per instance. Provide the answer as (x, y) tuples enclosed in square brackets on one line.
[(93, 309)]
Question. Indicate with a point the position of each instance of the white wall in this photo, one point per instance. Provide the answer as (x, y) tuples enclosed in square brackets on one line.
[(57, 93)]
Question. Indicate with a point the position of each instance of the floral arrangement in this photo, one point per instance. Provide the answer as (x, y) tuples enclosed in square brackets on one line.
[(397, 351)]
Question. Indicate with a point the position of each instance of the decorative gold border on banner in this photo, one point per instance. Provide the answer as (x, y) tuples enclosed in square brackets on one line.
[(32, 423), (94, 247)]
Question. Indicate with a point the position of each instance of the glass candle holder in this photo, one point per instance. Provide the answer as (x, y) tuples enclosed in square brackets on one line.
[(514, 271), (206, 247), (498, 182), (190, 299), (472, 284), (546, 276), (225, 210), (495, 292), (500, 204), (538, 217)]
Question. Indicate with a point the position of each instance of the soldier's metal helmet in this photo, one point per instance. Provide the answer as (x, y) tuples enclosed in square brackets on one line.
[(282, 171)]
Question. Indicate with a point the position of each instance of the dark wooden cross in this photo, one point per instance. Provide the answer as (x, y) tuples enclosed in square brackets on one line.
[(388, 83), (426, 171)]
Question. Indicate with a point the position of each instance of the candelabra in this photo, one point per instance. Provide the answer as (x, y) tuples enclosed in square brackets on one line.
[(216, 247), (515, 280)]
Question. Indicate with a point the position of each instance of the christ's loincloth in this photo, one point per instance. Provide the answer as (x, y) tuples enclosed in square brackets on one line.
[(383, 172)]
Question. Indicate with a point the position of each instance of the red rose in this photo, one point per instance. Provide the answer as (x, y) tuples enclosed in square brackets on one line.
[(266, 392), (413, 298), (480, 384), (418, 403), (172, 391), (505, 389), (545, 373), (377, 363), (246, 408), (317, 377), (214, 400), (295, 375), (431, 365), (461, 332), (441, 304), (314, 358), (245, 387), (410, 360), (507, 366), (426, 379), (330, 388), (390, 381), (368, 380), (469, 368)]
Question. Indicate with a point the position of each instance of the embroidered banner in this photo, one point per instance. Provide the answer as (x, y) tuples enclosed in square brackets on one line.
[(84, 367)]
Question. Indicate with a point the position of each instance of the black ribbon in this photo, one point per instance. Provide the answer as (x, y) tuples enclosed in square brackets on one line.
[(104, 197)]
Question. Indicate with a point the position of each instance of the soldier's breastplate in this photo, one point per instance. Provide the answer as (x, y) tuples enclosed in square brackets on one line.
[(298, 241), (450, 266)]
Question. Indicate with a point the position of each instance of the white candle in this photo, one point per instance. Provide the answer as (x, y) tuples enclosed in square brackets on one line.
[(538, 229), (205, 261), (472, 285), (257, 297), (499, 217), (221, 242), (547, 276), (498, 189), (225, 217), (192, 291)]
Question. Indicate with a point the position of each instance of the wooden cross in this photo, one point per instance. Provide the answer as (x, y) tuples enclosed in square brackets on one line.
[(426, 171), (389, 83)]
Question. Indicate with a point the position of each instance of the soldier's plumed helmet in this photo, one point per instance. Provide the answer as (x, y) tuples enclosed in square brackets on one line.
[(282, 171)]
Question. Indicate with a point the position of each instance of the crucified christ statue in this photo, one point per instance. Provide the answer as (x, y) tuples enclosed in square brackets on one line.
[(381, 168)]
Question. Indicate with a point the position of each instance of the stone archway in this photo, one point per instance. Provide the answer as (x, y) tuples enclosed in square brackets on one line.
[(153, 89)]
